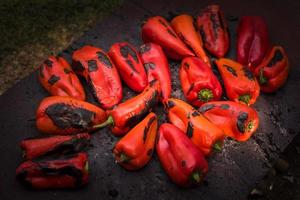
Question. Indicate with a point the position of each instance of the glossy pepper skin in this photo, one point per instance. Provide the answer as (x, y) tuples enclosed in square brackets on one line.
[(69, 172), (58, 78), (238, 121), (157, 30), (62, 144), (252, 41), (129, 113), (98, 70), (129, 65), (157, 67), (65, 116), (135, 149), (273, 71), (199, 84), (181, 159), (183, 25), (213, 29), (202, 132), (240, 83)]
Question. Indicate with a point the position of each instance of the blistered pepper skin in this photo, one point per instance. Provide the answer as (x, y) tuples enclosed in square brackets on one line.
[(237, 121), (213, 29), (157, 68), (157, 30), (252, 41), (58, 78), (273, 72), (181, 159), (129, 65), (135, 149), (199, 84), (98, 70), (240, 83)]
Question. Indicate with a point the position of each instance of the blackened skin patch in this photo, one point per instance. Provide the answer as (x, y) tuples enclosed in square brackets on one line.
[(186, 65), (248, 73), (276, 58), (67, 71), (206, 108), (131, 65), (104, 59), (231, 70), (126, 51), (77, 66), (225, 106), (220, 16), (149, 66), (65, 116), (49, 63), (195, 113), (146, 130), (53, 79), (145, 48), (163, 23), (241, 119), (215, 24), (191, 88), (149, 152), (203, 35), (190, 130), (171, 33), (92, 65), (170, 104)]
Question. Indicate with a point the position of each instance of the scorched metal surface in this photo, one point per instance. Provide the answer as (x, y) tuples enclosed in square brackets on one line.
[(232, 172)]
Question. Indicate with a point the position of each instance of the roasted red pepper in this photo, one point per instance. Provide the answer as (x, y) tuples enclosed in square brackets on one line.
[(37, 147), (58, 78), (183, 25), (135, 149), (65, 115), (180, 158), (273, 71), (96, 67), (213, 29), (238, 121), (127, 114), (240, 83), (203, 133), (199, 84), (157, 30), (157, 67), (129, 65), (252, 41), (70, 172)]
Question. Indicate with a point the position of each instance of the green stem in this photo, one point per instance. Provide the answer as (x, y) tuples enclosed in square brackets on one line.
[(262, 79), (109, 121), (123, 158), (245, 98), (196, 177), (205, 95), (249, 126), (218, 146)]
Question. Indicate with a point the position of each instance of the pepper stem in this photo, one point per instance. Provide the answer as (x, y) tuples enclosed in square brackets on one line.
[(249, 126), (86, 166), (196, 177), (217, 146), (205, 95), (245, 98), (262, 79), (123, 158), (109, 121)]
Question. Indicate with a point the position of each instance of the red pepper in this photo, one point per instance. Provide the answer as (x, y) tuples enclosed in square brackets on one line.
[(127, 114), (240, 83), (252, 41), (65, 115), (37, 147), (202, 132), (157, 67), (272, 73), (58, 78), (213, 30), (238, 121), (157, 30), (70, 172), (129, 65), (199, 84), (96, 67), (180, 158), (183, 25), (135, 149)]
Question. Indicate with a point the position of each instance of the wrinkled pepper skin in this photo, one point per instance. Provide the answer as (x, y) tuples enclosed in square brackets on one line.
[(237, 121), (69, 172), (202, 132), (62, 144), (183, 25), (129, 65), (240, 83), (181, 159), (129, 113), (65, 116), (213, 29), (135, 149), (157, 30), (273, 72), (199, 84), (58, 78), (157, 68), (252, 41), (98, 70)]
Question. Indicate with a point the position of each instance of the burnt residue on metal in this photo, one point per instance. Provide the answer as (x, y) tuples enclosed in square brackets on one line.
[(224, 106), (206, 108), (190, 130), (92, 66), (241, 119), (231, 70), (53, 79), (190, 88), (48, 63), (67, 71), (163, 23), (149, 65), (77, 66), (149, 152), (104, 59), (65, 116), (248, 73), (147, 128), (126, 50), (278, 56), (171, 33), (145, 48)]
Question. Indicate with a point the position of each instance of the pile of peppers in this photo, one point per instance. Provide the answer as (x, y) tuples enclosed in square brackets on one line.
[(217, 106)]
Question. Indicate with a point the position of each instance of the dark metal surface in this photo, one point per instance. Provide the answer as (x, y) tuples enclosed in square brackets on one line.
[(232, 172)]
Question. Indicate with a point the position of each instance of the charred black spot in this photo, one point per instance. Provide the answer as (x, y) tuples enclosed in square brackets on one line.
[(171, 33), (149, 152), (77, 66), (231, 70), (278, 56), (170, 104), (41, 69), (215, 24), (131, 65), (191, 88), (146, 130), (183, 163), (152, 82), (127, 50), (48, 63), (53, 79), (190, 130), (149, 66), (145, 48), (241, 119), (104, 59), (225, 106), (163, 23), (65, 116), (220, 16), (206, 108), (92, 65), (248, 73), (67, 71), (186, 65), (203, 35), (195, 113)]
